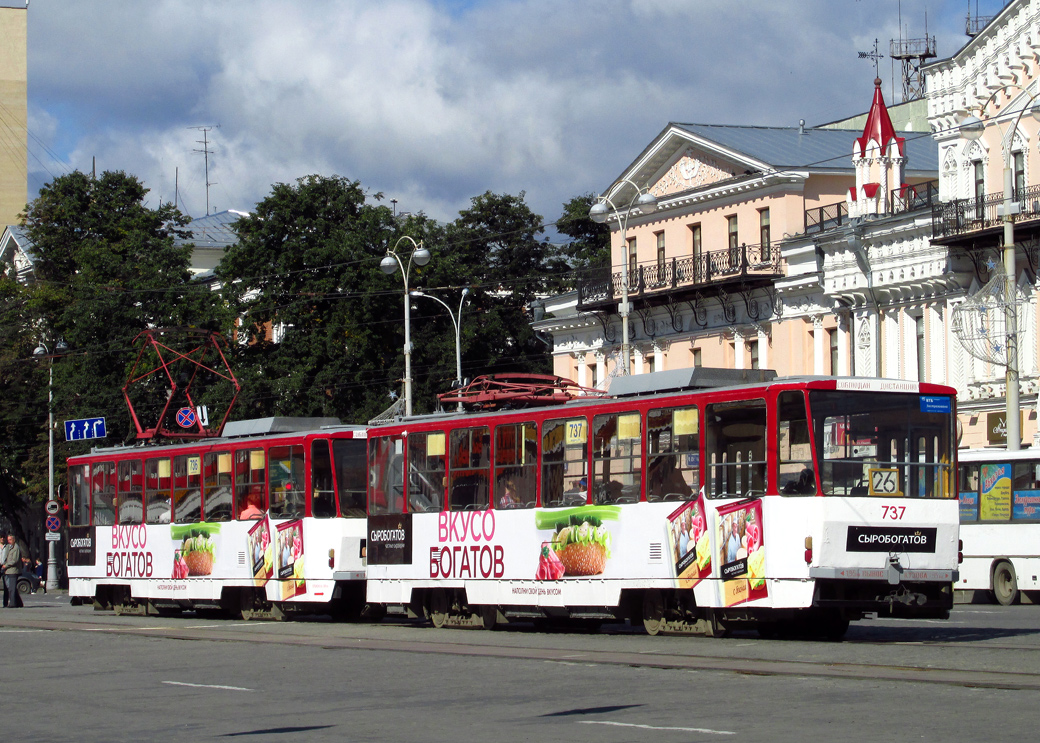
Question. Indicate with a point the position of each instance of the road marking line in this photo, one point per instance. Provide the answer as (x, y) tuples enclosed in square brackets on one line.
[(14, 631), (208, 686), (655, 727)]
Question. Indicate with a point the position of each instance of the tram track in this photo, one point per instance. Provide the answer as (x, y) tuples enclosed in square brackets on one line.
[(663, 659)]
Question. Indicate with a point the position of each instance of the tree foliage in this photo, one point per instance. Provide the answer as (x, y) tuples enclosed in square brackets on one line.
[(590, 242)]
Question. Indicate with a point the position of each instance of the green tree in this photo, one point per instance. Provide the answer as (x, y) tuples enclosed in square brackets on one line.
[(589, 247), (105, 268)]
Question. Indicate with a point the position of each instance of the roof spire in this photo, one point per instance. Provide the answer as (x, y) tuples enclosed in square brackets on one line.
[(879, 126)]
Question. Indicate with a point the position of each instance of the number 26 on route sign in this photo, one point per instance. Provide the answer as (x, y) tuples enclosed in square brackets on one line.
[(884, 481)]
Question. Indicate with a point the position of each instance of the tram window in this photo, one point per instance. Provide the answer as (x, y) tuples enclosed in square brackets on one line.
[(217, 496), (617, 458), (129, 509), (426, 481), (157, 491), (969, 492), (79, 492), (1025, 495), (795, 474), (103, 493), (565, 461), (187, 488), (286, 481), (469, 468), (735, 448), (386, 475), (351, 476), (516, 463), (250, 487), (323, 495), (673, 454)]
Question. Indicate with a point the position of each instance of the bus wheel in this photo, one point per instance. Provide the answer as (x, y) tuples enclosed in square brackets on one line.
[(1005, 583), (438, 608), (653, 611)]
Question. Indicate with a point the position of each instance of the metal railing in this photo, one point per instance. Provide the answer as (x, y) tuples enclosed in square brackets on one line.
[(963, 216), (906, 198), (823, 218), (661, 276)]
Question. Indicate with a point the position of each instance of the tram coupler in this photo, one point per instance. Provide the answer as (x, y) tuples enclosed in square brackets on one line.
[(904, 597)]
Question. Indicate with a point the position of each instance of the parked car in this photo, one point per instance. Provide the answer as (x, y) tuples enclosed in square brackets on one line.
[(28, 582)]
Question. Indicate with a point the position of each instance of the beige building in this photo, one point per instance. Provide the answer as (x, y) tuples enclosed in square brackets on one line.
[(13, 116)]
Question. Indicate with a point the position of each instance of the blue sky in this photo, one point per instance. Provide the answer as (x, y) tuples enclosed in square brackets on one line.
[(432, 102)]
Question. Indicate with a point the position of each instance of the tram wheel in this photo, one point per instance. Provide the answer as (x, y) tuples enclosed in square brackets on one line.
[(653, 611), (488, 616), (438, 608), (1005, 583)]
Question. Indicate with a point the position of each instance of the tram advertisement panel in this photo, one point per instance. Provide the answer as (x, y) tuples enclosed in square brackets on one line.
[(261, 551), (194, 548), (289, 547), (390, 539), (81, 545), (575, 541), (690, 542), (742, 552)]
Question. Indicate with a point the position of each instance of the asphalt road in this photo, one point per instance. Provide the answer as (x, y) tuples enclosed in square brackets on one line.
[(92, 676)]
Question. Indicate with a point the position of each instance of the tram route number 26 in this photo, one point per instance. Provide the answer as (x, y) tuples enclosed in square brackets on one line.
[(884, 482)]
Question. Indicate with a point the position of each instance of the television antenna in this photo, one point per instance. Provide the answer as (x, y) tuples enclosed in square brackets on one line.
[(206, 151)]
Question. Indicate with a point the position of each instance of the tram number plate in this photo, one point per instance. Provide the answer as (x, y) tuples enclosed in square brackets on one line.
[(884, 482)]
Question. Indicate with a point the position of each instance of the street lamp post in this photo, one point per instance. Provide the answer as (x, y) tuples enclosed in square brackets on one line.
[(52, 548), (972, 128), (457, 322), (420, 256), (599, 213)]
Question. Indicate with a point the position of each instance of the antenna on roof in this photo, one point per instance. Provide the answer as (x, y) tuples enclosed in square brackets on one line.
[(912, 53), (207, 152)]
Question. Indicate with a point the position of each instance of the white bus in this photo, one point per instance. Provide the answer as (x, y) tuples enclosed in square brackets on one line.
[(1000, 523)]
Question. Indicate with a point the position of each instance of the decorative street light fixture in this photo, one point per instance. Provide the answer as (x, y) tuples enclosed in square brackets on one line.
[(972, 128), (456, 320), (599, 213), (42, 352), (420, 256)]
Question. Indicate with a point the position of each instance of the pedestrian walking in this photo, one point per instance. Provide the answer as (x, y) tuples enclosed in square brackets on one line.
[(3, 556), (41, 576), (12, 565)]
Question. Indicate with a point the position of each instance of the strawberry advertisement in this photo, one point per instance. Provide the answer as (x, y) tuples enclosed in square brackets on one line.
[(690, 542), (741, 552)]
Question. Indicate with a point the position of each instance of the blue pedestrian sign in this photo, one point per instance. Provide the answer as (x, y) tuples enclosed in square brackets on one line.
[(85, 428)]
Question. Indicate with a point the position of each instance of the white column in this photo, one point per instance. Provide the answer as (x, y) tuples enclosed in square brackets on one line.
[(844, 329), (763, 349), (639, 360), (582, 368), (601, 370), (738, 350), (818, 344)]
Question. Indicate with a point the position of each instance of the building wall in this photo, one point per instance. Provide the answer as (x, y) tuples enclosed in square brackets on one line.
[(13, 119)]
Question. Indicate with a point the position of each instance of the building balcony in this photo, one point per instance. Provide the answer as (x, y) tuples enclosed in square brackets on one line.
[(732, 270), (982, 218), (907, 198)]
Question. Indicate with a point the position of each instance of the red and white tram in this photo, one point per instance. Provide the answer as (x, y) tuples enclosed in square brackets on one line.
[(689, 499), (266, 519)]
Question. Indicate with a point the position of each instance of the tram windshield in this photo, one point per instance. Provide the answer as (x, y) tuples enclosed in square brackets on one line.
[(888, 444)]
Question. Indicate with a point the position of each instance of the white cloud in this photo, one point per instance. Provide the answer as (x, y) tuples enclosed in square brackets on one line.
[(435, 102)]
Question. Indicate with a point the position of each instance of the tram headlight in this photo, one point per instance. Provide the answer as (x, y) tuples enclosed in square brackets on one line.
[(808, 550)]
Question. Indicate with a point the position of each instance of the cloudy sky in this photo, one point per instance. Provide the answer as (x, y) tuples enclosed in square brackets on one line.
[(432, 102)]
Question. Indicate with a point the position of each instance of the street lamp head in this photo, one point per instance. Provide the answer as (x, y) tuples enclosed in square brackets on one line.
[(598, 213), (416, 293), (61, 347), (41, 350), (421, 256), (971, 127), (647, 203), (465, 290), (388, 265)]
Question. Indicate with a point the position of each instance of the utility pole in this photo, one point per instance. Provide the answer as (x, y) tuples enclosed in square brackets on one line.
[(206, 151)]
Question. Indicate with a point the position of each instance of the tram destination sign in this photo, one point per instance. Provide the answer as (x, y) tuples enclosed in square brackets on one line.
[(85, 428)]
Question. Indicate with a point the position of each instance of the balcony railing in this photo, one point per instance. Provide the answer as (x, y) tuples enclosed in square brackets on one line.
[(904, 199), (654, 277), (964, 216)]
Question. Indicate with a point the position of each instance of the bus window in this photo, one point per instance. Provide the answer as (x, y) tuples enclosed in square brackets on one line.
[(187, 488), (323, 495), (794, 465), (129, 497), (103, 493), (286, 481), (735, 447), (157, 491), (351, 476), (565, 461), (1025, 504), (386, 475), (673, 454), (617, 458), (250, 490), (469, 467), (969, 492), (79, 492), (426, 471), (516, 462), (216, 499)]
